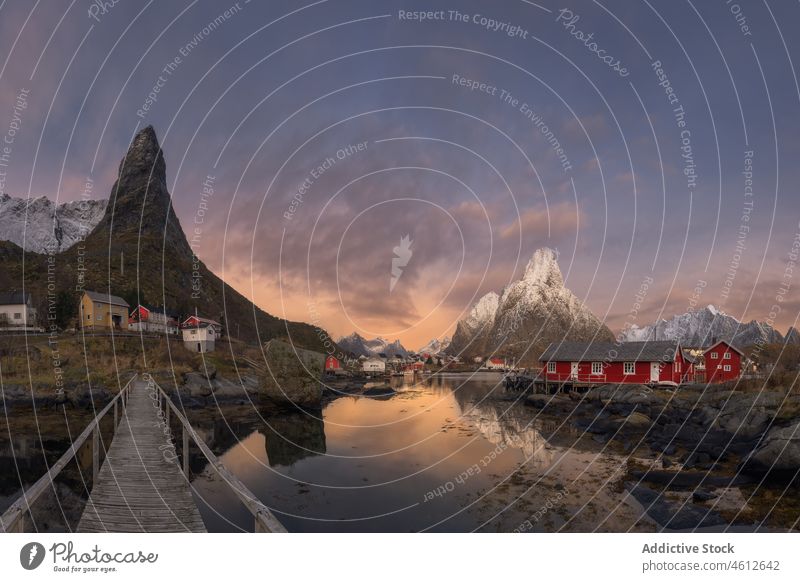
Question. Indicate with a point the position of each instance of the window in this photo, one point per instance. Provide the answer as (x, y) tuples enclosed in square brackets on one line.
[(88, 316), (597, 368), (551, 367), (726, 368), (629, 368), (714, 356), (17, 315), (727, 355), (677, 366)]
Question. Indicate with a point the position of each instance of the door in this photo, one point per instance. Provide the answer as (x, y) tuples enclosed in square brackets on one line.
[(199, 349), (655, 371), (573, 370)]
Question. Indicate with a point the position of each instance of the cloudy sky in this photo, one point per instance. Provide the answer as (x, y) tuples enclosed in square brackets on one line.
[(616, 132)]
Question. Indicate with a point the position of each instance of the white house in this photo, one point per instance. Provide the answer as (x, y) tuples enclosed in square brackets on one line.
[(374, 366), (17, 312), (199, 333), (495, 364)]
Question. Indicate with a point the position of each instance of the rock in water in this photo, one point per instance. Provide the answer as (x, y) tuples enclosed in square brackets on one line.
[(293, 375), (529, 315)]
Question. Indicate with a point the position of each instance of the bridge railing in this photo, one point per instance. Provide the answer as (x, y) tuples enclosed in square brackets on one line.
[(265, 520), (13, 520)]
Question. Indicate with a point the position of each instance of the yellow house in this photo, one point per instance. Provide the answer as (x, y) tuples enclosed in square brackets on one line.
[(103, 311)]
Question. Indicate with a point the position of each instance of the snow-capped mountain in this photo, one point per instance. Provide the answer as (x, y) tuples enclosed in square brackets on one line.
[(359, 346), (701, 328), (435, 346), (792, 336), (528, 315), (40, 226)]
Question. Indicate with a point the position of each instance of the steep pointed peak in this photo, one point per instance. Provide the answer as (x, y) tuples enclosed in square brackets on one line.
[(543, 269), (144, 155)]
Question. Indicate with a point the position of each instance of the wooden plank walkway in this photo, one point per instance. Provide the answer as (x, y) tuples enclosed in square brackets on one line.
[(138, 489)]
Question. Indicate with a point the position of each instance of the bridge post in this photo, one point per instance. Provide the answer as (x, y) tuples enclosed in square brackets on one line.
[(95, 453), (185, 451)]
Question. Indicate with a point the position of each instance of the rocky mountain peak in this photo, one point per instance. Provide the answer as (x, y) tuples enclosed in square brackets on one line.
[(140, 203), (543, 269), (531, 313), (484, 310)]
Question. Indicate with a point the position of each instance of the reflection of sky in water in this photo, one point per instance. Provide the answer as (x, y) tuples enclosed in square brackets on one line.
[(381, 457)]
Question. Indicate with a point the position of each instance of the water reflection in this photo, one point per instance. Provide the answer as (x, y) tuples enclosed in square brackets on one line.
[(290, 438), (446, 453)]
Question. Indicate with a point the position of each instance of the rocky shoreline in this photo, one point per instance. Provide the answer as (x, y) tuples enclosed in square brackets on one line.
[(707, 443)]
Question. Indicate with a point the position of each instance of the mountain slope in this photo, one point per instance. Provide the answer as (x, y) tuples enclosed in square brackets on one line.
[(701, 328), (435, 346), (138, 250), (40, 226), (528, 315), (358, 346)]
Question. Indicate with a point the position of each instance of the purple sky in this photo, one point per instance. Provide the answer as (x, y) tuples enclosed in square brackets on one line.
[(261, 96)]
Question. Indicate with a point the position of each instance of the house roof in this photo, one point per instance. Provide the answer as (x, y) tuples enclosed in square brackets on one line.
[(106, 298), (652, 351), (14, 297), (688, 356), (727, 343), (202, 322)]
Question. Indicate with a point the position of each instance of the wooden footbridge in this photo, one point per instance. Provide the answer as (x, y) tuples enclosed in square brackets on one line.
[(143, 485)]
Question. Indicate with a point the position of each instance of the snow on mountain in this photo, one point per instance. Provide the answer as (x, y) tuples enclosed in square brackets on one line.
[(701, 328), (435, 346), (359, 346), (527, 316), (40, 226)]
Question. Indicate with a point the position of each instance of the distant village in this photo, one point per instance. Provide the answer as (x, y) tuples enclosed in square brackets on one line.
[(573, 365), (102, 312)]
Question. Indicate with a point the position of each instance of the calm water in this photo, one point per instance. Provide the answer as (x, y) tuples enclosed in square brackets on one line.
[(447, 454), (451, 453)]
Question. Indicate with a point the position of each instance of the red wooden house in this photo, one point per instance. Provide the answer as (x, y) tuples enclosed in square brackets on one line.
[(332, 364), (723, 362), (652, 362)]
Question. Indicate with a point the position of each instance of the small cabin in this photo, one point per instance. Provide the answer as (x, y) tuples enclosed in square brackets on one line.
[(650, 362), (495, 364), (333, 366), (723, 362), (200, 334), (374, 366)]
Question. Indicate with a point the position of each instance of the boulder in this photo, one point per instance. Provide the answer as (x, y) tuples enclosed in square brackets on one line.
[(208, 371), (637, 420), (629, 394), (779, 452), (293, 376), (538, 400), (671, 515), (196, 385)]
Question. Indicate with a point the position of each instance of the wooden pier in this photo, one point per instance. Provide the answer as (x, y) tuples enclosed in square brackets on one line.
[(144, 484), (140, 487)]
